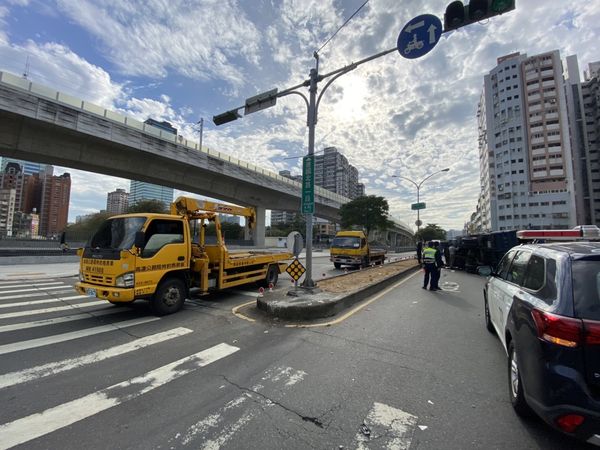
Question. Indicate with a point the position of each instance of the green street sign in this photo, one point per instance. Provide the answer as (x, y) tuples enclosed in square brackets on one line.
[(308, 184), (416, 206)]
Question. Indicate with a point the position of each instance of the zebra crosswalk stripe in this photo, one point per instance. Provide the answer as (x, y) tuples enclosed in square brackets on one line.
[(39, 424), (49, 288), (32, 312), (55, 320), (34, 373), (38, 302), (41, 342), (31, 285)]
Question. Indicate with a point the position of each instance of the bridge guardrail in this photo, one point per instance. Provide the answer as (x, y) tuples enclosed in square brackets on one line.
[(73, 102)]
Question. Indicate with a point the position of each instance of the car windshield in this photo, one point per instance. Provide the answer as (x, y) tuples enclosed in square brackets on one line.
[(346, 242), (117, 234), (586, 288)]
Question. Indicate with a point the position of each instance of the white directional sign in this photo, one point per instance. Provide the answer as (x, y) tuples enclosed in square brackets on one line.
[(419, 36)]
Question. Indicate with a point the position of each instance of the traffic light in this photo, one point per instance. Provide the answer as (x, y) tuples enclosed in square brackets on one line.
[(226, 117), (458, 15)]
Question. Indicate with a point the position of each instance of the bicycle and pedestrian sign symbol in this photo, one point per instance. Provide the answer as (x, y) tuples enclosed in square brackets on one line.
[(419, 36)]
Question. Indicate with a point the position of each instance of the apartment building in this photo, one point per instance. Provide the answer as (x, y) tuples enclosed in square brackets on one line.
[(117, 201), (526, 164), (583, 102), (334, 173)]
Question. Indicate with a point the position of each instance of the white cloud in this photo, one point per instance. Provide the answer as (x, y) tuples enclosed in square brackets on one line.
[(198, 39)]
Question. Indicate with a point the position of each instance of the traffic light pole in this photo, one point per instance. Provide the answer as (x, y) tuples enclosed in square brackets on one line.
[(313, 107)]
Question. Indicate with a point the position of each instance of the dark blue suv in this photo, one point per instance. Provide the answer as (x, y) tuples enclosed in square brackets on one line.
[(543, 301)]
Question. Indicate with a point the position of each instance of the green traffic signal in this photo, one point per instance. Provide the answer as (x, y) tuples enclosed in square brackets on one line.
[(502, 6), (458, 15)]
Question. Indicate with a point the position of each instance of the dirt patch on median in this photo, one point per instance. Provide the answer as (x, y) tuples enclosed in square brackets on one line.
[(358, 279)]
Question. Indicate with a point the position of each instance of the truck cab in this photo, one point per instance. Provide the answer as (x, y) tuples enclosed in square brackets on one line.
[(351, 248)]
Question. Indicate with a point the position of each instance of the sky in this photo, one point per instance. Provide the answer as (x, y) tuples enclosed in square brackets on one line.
[(186, 60)]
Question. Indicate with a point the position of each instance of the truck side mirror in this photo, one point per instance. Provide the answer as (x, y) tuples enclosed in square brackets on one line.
[(139, 239)]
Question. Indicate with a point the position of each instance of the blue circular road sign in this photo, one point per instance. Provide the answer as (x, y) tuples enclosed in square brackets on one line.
[(419, 36)]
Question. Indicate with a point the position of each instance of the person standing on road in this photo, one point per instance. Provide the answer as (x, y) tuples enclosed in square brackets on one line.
[(419, 251), (435, 277), (452, 254), (429, 266)]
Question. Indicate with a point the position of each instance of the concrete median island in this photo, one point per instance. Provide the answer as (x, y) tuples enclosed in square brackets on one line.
[(336, 293)]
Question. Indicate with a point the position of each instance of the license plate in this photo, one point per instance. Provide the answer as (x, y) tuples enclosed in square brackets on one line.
[(90, 292)]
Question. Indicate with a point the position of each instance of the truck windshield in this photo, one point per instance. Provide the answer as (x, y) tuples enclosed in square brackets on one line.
[(346, 242), (117, 234)]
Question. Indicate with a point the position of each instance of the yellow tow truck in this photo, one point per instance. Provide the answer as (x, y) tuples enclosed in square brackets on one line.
[(351, 248), (160, 257)]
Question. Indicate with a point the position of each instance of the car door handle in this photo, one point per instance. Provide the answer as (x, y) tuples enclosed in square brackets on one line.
[(180, 258)]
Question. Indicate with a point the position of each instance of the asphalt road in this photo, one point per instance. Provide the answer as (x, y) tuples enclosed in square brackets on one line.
[(412, 369)]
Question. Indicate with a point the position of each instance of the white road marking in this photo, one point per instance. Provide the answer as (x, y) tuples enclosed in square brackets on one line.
[(450, 286), (54, 309), (34, 373), (38, 302), (32, 289), (3, 283), (288, 373), (39, 424), (31, 285), (31, 294), (57, 338), (215, 430), (44, 322), (392, 428)]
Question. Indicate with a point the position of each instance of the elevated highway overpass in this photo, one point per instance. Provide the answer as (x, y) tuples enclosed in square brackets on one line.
[(40, 124)]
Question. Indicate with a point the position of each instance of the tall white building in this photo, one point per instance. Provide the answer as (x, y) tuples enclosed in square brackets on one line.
[(117, 201), (583, 100), (526, 168)]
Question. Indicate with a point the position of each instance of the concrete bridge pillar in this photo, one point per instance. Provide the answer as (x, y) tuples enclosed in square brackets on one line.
[(258, 233)]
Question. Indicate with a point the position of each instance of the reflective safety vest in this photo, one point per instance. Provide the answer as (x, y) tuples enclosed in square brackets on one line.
[(429, 255)]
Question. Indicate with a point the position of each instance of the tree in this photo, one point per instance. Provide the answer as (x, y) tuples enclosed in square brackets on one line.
[(431, 232), (148, 206), (81, 232), (369, 212)]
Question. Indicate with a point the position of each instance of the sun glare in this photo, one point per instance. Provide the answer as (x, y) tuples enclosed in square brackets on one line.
[(353, 105)]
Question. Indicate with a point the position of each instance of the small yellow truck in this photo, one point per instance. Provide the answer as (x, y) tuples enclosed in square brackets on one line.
[(160, 257), (351, 248)]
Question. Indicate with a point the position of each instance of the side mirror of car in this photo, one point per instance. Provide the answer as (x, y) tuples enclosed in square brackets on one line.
[(139, 239), (485, 271)]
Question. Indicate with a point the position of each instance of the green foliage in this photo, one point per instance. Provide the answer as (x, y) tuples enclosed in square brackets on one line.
[(283, 229), (82, 231), (431, 232), (148, 206), (369, 212), (229, 231)]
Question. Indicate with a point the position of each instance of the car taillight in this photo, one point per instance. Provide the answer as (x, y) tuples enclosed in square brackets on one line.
[(559, 330), (569, 422), (591, 330)]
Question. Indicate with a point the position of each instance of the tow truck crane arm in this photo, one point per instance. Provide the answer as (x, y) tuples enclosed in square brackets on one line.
[(196, 209)]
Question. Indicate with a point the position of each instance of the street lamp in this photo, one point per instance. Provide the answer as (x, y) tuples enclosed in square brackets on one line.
[(418, 186)]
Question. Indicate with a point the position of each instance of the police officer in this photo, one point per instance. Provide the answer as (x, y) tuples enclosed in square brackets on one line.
[(429, 265), (435, 276)]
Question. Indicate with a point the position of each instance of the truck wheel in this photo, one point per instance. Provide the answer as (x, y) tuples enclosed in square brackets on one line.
[(272, 276), (337, 265), (169, 297)]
